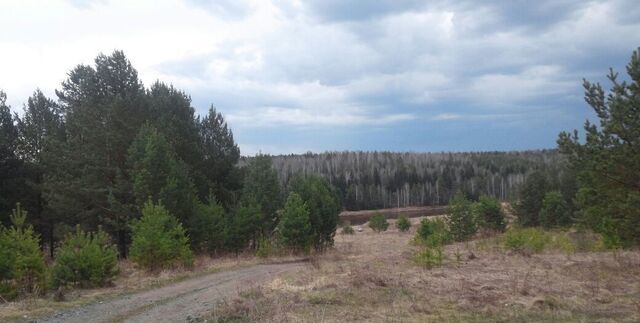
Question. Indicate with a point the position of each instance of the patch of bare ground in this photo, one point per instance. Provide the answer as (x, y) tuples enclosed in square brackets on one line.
[(372, 277), (131, 280)]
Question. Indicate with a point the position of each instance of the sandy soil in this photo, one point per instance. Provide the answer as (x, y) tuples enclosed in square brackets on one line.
[(180, 302)]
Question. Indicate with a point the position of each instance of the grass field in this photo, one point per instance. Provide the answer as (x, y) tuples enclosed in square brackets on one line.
[(373, 277)]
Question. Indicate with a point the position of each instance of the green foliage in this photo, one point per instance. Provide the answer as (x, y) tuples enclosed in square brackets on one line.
[(159, 240), (536, 240), (347, 229), (554, 211), (530, 199), (461, 222), (22, 267), (243, 227), (607, 163), (403, 224), (378, 222), (324, 208), (87, 259), (262, 189), (295, 225), (206, 226), (159, 175), (220, 155), (488, 213), (430, 257), (433, 233)]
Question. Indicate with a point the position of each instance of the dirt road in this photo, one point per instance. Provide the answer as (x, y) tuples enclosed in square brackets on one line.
[(181, 302)]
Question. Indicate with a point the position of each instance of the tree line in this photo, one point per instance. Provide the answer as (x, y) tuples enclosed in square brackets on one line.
[(108, 147), (373, 180)]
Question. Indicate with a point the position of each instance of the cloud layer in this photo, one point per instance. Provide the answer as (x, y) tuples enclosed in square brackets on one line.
[(293, 76)]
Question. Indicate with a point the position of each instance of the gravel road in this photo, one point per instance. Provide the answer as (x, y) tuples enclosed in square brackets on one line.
[(180, 302)]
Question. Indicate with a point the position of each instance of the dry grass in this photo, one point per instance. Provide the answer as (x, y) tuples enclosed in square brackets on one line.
[(371, 277), (130, 280)]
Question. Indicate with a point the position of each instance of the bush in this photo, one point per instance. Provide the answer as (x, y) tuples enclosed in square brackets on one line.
[(87, 259), (403, 224), (488, 213), (22, 267), (347, 229), (159, 240), (295, 225), (378, 223), (433, 233), (430, 257), (206, 227), (528, 239), (462, 225), (555, 210)]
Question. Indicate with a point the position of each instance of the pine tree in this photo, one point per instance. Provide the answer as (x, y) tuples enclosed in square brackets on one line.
[(206, 226), (324, 208), (607, 163), (261, 188), (488, 213), (530, 199), (295, 225), (461, 221), (555, 210)]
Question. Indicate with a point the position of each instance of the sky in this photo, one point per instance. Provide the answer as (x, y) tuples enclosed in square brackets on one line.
[(330, 75)]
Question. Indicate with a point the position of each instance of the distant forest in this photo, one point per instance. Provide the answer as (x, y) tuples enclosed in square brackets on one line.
[(371, 180)]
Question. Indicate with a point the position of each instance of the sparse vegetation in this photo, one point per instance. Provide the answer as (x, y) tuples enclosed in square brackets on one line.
[(378, 223), (347, 229), (85, 259), (433, 233), (403, 224)]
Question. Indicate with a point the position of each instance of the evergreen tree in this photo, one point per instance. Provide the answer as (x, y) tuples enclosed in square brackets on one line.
[(157, 174), (554, 211), (324, 208), (295, 225), (206, 227), (378, 223), (41, 129), (243, 228), (488, 213), (104, 107), (220, 155), (403, 224), (158, 240), (12, 170), (462, 225), (261, 188), (607, 163), (530, 200)]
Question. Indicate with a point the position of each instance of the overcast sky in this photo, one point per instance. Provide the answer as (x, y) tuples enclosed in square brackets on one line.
[(297, 76)]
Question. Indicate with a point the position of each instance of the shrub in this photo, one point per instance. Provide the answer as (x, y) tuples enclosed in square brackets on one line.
[(206, 227), (527, 239), (555, 210), (403, 224), (430, 257), (488, 213), (347, 229), (433, 233), (267, 247), (461, 221), (87, 259), (22, 267), (295, 225), (159, 240), (378, 223)]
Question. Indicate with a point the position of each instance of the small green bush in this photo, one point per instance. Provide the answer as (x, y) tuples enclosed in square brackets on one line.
[(461, 220), (378, 223), (488, 213), (430, 257), (85, 259), (433, 233), (403, 224), (347, 229), (22, 266), (267, 247), (159, 240)]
